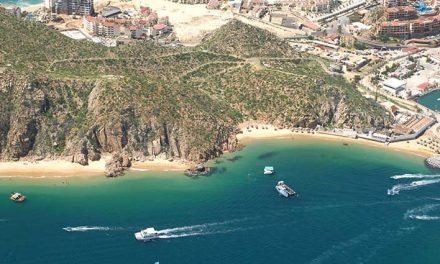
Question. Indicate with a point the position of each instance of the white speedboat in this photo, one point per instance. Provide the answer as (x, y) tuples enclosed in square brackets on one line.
[(285, 190), (392, 192), (268, 170), (146, 234)]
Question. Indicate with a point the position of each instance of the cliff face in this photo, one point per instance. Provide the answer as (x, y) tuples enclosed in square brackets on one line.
[(48, 118), (141, 101)]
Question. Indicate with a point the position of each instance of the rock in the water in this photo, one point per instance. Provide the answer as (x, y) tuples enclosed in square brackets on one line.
[(433, 162), (118, 164)]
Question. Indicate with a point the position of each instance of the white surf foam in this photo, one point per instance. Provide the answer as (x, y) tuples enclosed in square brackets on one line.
[(88, 228), (203, 233), (415, 176), (197, 227), (424, 217), (421, 213), (410, 186)]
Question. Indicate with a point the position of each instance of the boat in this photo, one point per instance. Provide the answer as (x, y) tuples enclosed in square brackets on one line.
[(146, 234), (285, 190), (392, 192), (268, 170), (17, 197)]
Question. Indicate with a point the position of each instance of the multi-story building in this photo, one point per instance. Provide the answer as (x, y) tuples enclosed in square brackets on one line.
[(116, 27), (190, 1), (394, 3), (421, 27), (400, 12), (394, 29), (316, 5), (71, 7)]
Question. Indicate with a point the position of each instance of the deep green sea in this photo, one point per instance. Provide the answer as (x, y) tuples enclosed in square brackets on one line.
[(343, 213)]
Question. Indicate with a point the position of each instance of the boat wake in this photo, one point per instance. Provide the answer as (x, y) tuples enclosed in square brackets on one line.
[(421, 213), (202, 229), (197, 227), (424, 217), (415, 176), (90, 228), (396, 189), (203, 233)]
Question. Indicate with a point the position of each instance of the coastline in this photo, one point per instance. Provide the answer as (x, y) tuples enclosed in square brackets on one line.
[(67, 169), (252, 134)]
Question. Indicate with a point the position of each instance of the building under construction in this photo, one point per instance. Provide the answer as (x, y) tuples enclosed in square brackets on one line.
[(71, 7)]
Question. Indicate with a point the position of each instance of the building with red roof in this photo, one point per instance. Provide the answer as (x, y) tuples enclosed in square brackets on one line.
[(424, 86)]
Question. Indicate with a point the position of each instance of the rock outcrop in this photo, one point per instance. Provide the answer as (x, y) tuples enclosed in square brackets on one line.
[(65, 100), (119, 162), (433, 162)]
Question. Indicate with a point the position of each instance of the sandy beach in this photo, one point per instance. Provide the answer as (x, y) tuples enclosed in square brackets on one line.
[(272, 132), (160, 165), (52, 168), (62, 168), (33, 8), (66, 169)]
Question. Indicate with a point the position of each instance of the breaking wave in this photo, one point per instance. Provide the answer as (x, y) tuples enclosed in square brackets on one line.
[(89, 228), (410, 186), (415, 176)]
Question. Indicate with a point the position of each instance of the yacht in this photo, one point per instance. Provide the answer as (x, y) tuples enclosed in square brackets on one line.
[(146, 234), (285, 190), (17, 197), (268, 170)]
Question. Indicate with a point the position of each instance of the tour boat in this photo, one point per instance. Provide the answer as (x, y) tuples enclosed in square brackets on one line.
[(146, 234), (269, 170), (285, 190), (17, 197)]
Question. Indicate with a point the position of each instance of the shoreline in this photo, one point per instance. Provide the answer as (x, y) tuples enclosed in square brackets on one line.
[(66, 169), (272, 132)]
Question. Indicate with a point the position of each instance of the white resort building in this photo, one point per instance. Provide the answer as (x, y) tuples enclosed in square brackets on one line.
[(394, 86)]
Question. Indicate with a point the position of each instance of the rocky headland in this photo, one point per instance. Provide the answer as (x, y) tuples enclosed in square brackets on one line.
[(61, 99)]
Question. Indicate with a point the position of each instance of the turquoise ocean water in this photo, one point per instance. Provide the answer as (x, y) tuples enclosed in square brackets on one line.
[(342, 215), (22, 3), (431, 100)]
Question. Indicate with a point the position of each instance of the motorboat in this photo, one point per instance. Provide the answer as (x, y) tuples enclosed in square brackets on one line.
[(285, 190), (268, 170), (146, 234), (17, 197)]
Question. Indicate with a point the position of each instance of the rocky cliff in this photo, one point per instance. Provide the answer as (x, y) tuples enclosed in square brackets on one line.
[(80, 101)]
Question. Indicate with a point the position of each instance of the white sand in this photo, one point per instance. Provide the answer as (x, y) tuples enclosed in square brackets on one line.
[(272, 132), (52, 168)]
